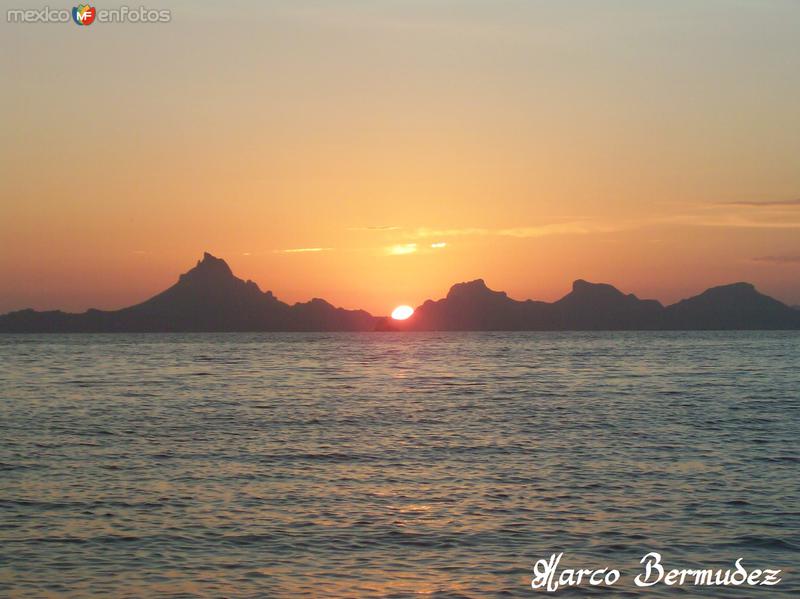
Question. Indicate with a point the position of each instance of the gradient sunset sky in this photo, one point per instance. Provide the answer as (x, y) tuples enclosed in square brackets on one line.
[(375, 152)]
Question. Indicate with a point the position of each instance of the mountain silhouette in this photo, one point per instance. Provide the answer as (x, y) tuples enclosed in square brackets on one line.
[(210, 298), (599, 306), (589, 306), (207, 298), (736, 306), (472, 306)]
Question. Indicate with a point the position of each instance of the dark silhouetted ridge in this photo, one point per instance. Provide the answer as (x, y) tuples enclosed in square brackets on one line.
[(209, 297), (599, 306), (472, 290), (589, 306), (735, 306)]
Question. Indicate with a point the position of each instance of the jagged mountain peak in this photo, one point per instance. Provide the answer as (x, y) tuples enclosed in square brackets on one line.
[(209, 265), (740, 288), (473, 289), (582, 286), (741, 293), (209, 297)]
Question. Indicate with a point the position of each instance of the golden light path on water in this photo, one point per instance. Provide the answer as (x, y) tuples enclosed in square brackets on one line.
[(432, 464)]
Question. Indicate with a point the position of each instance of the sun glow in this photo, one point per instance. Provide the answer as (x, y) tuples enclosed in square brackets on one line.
[(403, 249), (402, 312)]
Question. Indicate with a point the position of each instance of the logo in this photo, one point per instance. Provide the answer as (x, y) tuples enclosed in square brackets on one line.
[(83, 14)]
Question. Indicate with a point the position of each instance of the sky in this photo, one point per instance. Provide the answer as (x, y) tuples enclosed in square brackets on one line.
[(376, 152)]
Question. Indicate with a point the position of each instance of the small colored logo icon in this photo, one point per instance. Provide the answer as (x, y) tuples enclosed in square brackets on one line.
[(83, 14)]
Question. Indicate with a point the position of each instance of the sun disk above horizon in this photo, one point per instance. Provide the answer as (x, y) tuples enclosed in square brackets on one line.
[(402, 312)]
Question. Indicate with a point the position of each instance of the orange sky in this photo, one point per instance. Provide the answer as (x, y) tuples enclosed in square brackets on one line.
[(655, 146)]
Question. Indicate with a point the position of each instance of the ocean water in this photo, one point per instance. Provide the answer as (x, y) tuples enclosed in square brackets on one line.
[(394, 465)]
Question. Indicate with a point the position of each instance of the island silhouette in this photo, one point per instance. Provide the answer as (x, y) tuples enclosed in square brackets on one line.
[(210, 298)]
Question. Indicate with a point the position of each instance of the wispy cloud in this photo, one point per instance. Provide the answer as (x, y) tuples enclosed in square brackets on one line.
[(785, 259), (734, 221), (402, 249), (375, 228), (302, 250), (766, 204), (711, 217), (423, 232), (562, 228), (733, 215), (568, 228)]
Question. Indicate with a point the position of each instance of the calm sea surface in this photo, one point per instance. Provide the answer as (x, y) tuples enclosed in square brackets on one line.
[(345, 465)]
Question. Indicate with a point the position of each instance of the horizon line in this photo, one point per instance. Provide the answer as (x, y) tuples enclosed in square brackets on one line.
[(207, 255)]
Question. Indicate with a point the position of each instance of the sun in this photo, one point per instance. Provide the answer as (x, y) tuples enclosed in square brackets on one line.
[(402, 312)]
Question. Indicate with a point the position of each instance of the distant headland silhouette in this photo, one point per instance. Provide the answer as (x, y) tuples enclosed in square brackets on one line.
[(210, 298)]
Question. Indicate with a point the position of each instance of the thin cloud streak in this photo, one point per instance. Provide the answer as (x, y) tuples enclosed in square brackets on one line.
[(567, 228), (706, 218), (790, 259), (585, 227), (570, 228), (402, 249), (376, 228), (767, 204), (302, 250), (730, 221)]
